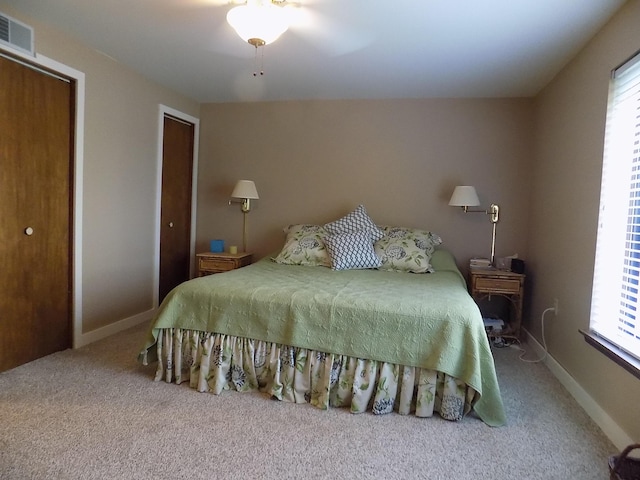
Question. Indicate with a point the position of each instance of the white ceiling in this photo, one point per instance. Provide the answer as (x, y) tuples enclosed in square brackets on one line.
[(347, 49)]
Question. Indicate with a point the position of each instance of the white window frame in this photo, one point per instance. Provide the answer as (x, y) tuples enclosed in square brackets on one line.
[(615, 303)]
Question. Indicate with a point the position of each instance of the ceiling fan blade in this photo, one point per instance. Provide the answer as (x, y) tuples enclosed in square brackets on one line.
[(217, 35), (331, 36), (225, 41), (210, 3)]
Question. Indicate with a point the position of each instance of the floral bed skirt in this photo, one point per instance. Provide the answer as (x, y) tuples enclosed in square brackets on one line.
[(213, 362)]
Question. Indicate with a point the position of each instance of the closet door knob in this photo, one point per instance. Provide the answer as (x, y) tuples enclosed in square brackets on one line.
[(28, 231), (170, 224)]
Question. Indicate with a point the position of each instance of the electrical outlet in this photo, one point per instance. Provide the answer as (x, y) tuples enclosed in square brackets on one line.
[(555, 306)]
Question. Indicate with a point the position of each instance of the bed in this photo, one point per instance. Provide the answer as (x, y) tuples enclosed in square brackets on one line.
[(369, 339)]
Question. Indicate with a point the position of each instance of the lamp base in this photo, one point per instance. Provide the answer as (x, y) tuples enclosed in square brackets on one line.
[(493, 244), (244, 231)]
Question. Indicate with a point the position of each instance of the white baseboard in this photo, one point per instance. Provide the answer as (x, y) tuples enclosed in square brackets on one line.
[(113, 328), (610, 428)]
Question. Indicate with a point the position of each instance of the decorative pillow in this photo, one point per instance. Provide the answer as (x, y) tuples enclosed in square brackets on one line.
[(351, 250), (353, 222), (406, 249), (304, 245)]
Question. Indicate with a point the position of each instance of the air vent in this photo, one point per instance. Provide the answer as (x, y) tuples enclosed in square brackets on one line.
[(16, 34)]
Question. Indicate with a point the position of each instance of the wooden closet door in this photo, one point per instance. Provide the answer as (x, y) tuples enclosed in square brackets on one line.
[(36, 118), (175, 215)]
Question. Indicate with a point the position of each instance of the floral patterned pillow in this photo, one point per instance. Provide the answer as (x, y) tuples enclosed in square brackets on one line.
[(304, 245), (406, 249)]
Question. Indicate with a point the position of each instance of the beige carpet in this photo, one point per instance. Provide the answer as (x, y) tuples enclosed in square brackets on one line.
[(95, 413)]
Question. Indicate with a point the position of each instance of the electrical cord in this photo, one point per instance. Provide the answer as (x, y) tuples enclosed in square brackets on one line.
[(544, 342)]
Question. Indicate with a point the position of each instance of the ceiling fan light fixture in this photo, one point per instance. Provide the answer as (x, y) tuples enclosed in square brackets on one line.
[(259, 22)]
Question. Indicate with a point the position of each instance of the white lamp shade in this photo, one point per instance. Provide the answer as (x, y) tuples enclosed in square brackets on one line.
[(245, 189), (464, 196), (259, 19)]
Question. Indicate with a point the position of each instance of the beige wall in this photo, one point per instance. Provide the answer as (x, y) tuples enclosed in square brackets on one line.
[(570, 118), (120, 155), (317, 160)]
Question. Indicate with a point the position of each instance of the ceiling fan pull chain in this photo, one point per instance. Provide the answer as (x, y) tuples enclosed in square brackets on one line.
[(255, 62)]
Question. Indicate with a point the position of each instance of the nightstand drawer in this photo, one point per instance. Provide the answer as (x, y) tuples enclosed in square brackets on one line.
[(218, 264), (497, 285), (210, 263)]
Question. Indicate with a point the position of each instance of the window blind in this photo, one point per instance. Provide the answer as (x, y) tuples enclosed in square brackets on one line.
[(615, 301)]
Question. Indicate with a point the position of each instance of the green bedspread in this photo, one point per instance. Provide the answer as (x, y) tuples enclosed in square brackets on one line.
[(422, 320)]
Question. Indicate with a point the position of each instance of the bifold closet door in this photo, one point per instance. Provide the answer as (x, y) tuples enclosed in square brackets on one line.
[(36, 138), (175, 214)]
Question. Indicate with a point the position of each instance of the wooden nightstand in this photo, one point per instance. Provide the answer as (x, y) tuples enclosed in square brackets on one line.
[(486, 283), (209, 263)]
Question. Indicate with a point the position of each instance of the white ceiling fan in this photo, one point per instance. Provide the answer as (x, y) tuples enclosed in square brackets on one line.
[(308, 20)]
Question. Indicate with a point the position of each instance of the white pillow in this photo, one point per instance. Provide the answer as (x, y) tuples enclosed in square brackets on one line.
[(351, 251)]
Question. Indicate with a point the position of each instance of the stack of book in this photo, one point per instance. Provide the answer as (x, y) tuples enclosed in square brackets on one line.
[(493, 325), (479, 263)]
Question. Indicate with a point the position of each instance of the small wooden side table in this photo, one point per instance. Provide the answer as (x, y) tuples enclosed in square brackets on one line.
[(210, 263), (510, 285)]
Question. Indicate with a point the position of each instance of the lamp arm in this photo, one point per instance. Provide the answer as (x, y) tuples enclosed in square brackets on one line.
[(468, 210), (245, 204), (494, 211)]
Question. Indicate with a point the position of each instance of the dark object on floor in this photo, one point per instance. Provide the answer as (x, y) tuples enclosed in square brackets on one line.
[(623, 467)]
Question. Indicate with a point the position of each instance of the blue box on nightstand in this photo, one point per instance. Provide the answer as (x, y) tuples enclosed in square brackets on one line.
[(216, 246)]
